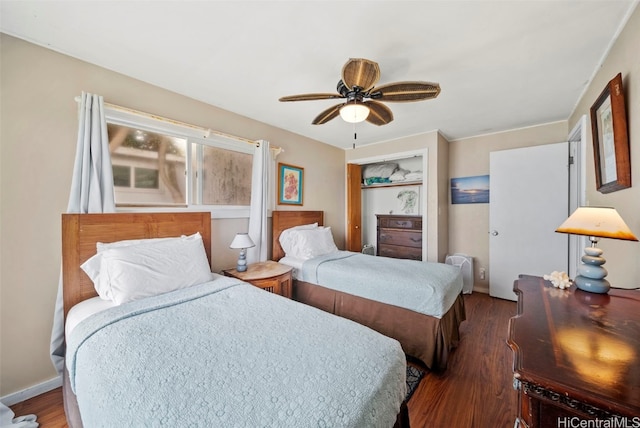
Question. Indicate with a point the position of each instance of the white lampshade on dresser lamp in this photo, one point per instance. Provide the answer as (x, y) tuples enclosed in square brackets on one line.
[(242, 241), (595, 222)]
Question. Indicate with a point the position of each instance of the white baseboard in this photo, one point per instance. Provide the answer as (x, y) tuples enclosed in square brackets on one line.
[(32, 391)]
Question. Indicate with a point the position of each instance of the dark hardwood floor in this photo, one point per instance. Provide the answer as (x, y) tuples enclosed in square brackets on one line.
[(474, 392), (476, 389)]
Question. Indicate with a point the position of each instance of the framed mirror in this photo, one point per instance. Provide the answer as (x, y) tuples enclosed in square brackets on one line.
[(610, 139)]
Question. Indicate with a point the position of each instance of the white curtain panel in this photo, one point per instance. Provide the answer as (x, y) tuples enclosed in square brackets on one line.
[(262, 165), (91, 192)]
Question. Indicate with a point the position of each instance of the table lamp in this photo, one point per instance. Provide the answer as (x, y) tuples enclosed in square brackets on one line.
[(242, 241), (595, 222)]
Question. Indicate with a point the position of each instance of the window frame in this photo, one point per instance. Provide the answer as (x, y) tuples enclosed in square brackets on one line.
[(196, 138)]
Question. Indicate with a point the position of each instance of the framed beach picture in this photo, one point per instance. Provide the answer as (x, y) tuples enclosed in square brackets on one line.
[(470, 190), (290, 184), (611, 151)]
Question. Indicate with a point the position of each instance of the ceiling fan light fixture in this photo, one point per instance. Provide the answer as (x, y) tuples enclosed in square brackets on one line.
[(363, 100), (354, 112)]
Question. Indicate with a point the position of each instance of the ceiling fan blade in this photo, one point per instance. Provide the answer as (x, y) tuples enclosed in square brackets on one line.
[(361, 73), (379, 114), (310, 97), (406, 91), (327, 115)]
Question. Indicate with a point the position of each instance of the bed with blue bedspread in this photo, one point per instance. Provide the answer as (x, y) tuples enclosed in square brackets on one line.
[(423, 287), (227, 354), (218, 353), (418, 303)]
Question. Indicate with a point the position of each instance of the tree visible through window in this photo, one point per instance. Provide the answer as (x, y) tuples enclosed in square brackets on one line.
[(152, 168), (149, 168)]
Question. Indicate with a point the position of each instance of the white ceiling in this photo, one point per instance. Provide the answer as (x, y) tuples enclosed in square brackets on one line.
[(501, 64)]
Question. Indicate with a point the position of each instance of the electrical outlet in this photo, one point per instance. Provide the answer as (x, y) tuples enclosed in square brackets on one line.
[(482, 273)]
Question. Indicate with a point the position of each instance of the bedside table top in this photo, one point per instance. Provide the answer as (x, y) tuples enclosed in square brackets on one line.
[(260, 270)]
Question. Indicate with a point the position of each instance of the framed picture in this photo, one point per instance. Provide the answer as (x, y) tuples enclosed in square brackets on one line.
[(470, 190), (409, 201), (610, 139), (290, 184)]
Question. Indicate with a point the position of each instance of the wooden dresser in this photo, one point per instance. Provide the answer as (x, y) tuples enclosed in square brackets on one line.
[(576, 356), (399, 236)]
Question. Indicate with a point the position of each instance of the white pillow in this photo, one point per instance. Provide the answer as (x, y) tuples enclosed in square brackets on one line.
[(287, 239), (102, 246), (132, 272), (310, 243), (92, 266)]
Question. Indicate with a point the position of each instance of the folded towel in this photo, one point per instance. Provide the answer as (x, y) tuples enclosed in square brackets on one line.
[(399, 175), (412, 176)]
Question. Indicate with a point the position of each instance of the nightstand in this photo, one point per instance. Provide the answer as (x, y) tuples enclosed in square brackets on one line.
[(271, 276)]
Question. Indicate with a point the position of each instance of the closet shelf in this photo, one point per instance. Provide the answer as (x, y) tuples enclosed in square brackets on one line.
[(395, 184)]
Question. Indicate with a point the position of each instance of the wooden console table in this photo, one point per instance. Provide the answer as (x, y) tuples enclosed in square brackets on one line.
[(576, 355)]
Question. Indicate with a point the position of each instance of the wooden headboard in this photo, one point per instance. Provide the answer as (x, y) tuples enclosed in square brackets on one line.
[(282, 220), (81, 232)]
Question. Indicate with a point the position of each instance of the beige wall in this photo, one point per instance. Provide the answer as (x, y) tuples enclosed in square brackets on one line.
[(623, 257), (436, 214), (469, 223), (37, 148)]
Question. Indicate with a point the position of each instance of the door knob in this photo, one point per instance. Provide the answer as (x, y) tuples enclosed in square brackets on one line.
[(494, 233)]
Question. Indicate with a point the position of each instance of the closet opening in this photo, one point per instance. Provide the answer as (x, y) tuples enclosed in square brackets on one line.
[(390, 189)]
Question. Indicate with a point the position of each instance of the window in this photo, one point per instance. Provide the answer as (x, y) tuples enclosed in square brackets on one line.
[(121, 175), (226, 177), (149, 168), (156, 163), (146, 178)]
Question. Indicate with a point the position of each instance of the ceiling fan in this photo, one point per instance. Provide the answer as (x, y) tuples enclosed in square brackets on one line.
[(362, 97)]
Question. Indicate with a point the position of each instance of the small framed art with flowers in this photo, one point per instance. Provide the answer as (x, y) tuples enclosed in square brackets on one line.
[(290, 184)]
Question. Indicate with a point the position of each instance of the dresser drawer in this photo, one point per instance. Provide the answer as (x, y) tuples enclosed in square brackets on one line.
[(400, 237), (400, 222), (400, 252)]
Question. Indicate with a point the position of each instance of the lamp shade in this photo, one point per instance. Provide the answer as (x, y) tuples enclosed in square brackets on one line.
[(602, 222), (595, 222), (242, 240), (353, 112)]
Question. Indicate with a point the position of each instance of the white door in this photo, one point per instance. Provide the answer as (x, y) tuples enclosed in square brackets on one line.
[(528, 201)]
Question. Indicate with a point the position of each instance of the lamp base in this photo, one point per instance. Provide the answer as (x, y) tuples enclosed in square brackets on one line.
[(592, 285), (242, 261), (591, 273)]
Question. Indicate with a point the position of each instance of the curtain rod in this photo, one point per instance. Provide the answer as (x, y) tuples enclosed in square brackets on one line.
[(208, 131)]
